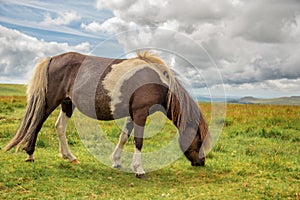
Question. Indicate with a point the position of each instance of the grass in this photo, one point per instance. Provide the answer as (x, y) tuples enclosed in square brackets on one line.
[(12, 90), (256, 157)]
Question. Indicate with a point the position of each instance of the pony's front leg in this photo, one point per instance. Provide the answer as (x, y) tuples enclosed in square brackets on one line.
[(61, 125), (137, 160), (116, 155)]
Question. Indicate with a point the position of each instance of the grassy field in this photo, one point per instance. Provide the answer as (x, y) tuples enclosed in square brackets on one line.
[(257, 157), (12, 90)]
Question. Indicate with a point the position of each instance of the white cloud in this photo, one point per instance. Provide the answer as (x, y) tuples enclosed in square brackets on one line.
[(92, 27), (120, 4), (65, 18), (264, 89), (112, 25), (155, 12), (20, 52), (266, 21)]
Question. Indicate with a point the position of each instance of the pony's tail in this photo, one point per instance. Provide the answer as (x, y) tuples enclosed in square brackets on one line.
[(36, 102)]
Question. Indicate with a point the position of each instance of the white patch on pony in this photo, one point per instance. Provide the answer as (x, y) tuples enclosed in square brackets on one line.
[(124, 71), (61, 126), (116, 155), (137, 162)]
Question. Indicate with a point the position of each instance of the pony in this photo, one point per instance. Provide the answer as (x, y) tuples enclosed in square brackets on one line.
[(108, 89)]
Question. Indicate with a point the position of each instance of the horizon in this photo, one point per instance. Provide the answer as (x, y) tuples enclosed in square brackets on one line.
[(199, 96)]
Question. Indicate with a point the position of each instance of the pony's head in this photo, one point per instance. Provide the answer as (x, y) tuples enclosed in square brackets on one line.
[(190, 142)]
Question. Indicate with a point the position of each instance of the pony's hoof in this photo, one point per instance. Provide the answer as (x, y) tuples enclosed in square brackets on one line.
[(29, 160), (141, 176), (75, 161), (118, 166)]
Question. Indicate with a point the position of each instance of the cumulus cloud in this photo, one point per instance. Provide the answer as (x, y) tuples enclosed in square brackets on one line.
[(92, 27), (119, 4), (156, 13), (268, 21), (251, 42), (112, 25), (62, 18), (20, 52), (275, 88)]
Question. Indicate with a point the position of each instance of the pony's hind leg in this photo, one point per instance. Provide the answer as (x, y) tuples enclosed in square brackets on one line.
[(61, 126), (32, 134), (126, 131)]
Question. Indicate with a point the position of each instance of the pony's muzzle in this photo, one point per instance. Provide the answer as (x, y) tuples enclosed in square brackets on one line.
[(201, 162)]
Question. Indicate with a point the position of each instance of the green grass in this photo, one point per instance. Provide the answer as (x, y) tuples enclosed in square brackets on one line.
[(256, 157), (12, 90)]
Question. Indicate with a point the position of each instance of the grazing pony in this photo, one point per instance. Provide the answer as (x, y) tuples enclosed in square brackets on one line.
[(108, 89)]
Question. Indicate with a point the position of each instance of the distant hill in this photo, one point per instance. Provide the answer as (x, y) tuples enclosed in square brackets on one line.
[(12, 90), (248, 99), (293, 100)]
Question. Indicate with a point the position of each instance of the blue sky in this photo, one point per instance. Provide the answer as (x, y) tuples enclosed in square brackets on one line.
[(28, 17), (242, 47)]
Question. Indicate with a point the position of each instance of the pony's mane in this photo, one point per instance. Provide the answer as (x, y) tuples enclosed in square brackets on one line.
[(150, 57), (180, 105), (185, 111)]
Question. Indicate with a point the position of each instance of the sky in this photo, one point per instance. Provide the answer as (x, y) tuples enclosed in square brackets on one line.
[(230, 47)]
